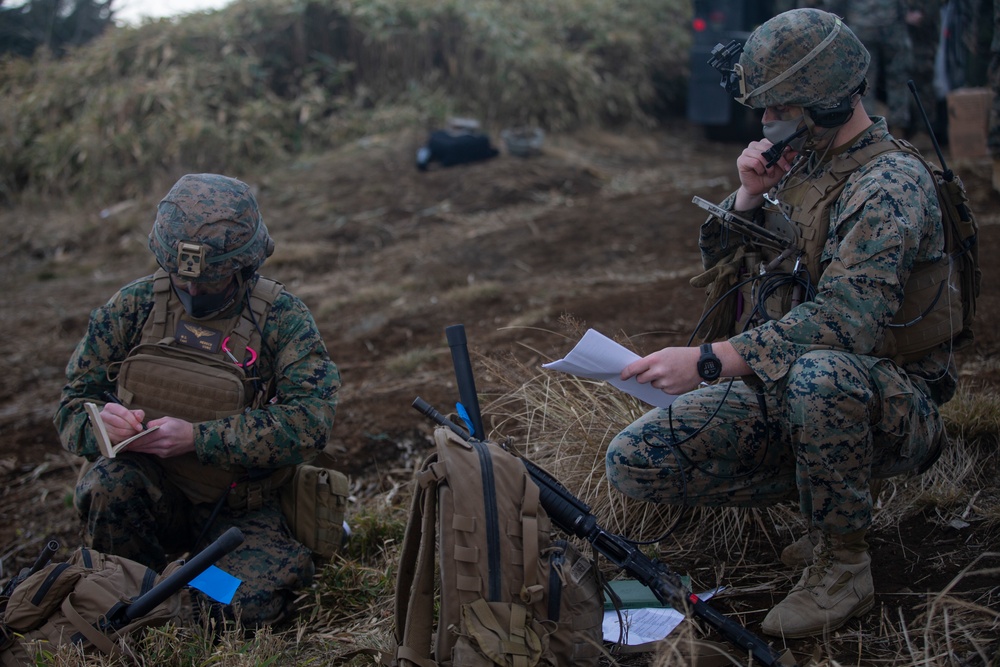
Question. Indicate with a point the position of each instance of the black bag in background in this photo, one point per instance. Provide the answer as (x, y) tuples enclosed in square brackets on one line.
[(451, 148)]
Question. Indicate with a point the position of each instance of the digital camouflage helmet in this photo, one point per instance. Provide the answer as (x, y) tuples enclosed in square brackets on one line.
[(802, 57), (208, 228)]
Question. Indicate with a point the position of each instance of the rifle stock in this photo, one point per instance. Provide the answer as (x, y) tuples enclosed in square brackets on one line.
[(574, 517)]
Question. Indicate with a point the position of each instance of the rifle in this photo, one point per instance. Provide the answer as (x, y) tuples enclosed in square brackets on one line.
[(573, 516)]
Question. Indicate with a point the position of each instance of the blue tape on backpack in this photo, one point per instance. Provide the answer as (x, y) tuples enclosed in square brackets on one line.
[(463, 413)]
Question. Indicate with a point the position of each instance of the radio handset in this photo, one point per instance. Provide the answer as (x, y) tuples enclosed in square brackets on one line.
[(774, 153)]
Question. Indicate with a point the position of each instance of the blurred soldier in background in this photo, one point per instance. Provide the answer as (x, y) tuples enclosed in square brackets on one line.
[(882, 27), (923, 20)]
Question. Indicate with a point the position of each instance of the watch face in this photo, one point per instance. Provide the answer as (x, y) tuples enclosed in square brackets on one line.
[(709, 366)]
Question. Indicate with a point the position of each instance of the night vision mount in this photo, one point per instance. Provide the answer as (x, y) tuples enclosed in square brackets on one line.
[(725, 59)]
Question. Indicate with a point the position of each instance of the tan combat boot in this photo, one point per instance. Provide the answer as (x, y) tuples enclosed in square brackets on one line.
[(834, 589), (800, 552)]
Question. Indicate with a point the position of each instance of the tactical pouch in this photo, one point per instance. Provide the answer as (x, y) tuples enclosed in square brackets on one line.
[(163, 379), (166, 380), (314, 504), (498, 633)]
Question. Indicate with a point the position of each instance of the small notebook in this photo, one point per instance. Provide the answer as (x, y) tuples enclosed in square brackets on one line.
[(103, 441)]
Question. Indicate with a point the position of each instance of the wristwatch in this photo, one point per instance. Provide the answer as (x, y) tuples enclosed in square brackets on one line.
[(709, 366)]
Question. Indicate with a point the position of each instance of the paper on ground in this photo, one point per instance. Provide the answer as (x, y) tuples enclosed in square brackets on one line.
[(597, 357), (645, 625)]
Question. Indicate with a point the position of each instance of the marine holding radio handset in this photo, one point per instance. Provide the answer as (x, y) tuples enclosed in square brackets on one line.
[(797, 356)]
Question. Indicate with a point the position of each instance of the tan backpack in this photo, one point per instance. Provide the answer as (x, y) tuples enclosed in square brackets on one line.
[(508, 594), (82, 601)]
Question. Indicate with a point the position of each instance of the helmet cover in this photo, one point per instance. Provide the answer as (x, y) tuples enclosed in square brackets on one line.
[(802, 57), (208, 228)]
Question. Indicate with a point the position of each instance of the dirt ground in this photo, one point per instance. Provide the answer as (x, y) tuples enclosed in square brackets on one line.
[(599, 227)]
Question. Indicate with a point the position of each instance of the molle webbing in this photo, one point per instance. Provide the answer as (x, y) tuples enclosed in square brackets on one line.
[(517, 598)]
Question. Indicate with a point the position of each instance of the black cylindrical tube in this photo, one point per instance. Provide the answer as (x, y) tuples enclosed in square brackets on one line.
[(463, 375), (145, 603), (51, 547)]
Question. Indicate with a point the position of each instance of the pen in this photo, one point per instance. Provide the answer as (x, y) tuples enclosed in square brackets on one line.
[(112, 398)]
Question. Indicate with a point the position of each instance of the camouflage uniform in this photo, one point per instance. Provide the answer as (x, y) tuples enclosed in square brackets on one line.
[(133, 510), (836, 416), (880, 26), (925, 37), (993, 139)]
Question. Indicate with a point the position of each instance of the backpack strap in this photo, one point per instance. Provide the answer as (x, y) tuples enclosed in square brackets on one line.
[(98, 639), (532, 590), (415, 577), (161, 294), (513, 641), (261, 299)]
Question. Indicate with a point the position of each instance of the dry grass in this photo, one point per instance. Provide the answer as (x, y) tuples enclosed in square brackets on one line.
[(262, 80), (565, 423)]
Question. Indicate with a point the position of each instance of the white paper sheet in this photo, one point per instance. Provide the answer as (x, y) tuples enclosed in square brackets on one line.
[(597, 357), (649, 624)]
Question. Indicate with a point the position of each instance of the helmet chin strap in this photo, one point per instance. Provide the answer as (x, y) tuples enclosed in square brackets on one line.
[(819, 137)]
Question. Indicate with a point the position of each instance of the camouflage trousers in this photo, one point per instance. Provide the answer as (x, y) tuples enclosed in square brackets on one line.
[(835, 421), (993, 138), (889, 69), (131, 509)]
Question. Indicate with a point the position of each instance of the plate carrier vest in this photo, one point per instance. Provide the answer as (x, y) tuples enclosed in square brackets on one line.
[(200, 380), (932, 309)]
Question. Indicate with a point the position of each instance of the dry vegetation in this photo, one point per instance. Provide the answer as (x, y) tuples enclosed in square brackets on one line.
[(320, 105), (266, 79)]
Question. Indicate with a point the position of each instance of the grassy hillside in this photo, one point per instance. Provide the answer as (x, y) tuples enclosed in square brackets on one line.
[(265, 79)]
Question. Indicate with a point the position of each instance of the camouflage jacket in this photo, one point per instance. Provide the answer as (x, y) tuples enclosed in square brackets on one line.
[(869, 14), (292, 429), (885, 221)]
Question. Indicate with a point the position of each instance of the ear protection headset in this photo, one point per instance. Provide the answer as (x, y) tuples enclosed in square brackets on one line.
[(839, 114)]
